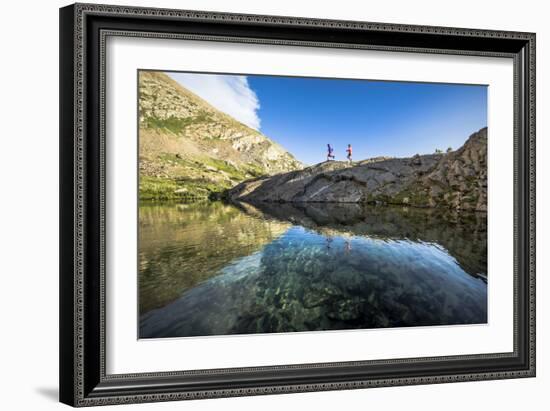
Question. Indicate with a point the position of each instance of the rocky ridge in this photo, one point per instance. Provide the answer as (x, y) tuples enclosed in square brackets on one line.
[(456, 180)]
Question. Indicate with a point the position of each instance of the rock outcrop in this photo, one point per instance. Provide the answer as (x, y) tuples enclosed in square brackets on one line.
[(456, 180), (189, 149)]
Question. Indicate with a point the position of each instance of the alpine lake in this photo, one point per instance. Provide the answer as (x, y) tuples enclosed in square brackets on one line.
[(215, 268)]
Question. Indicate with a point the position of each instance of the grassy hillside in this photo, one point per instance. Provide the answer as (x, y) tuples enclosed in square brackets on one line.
[(189, 150)]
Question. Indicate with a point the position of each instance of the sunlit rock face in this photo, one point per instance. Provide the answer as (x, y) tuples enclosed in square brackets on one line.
[(456, 180)]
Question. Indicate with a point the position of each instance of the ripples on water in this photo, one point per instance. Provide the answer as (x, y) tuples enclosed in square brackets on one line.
[(217, 269)]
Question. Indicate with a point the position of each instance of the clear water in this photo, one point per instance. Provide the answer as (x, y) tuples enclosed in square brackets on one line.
[(218, 269)]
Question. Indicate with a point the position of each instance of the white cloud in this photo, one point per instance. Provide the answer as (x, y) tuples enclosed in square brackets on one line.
[(228, 93)]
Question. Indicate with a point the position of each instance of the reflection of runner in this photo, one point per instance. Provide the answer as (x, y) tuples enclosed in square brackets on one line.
[(330, 150), (329, 242), (349, 151), (347, 246)]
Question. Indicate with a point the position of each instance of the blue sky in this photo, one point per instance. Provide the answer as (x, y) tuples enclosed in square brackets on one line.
[(378, 118)]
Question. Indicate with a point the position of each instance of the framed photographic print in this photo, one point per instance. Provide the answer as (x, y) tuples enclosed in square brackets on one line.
[(261, 204)]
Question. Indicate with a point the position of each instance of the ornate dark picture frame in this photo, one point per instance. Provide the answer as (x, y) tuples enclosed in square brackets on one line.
[(83, 32)]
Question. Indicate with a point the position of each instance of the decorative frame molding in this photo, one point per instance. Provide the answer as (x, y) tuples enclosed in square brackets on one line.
[(84, 29)]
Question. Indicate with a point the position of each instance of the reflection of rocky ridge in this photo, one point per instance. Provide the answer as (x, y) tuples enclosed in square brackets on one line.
[(456, 180), (464, 235)]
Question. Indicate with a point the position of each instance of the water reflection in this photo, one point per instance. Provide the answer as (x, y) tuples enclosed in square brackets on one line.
[(464, 234), (182, 245), (213, 269)]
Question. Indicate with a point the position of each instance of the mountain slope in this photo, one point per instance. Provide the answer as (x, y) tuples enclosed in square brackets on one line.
[(188, 149), (456, 180)]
